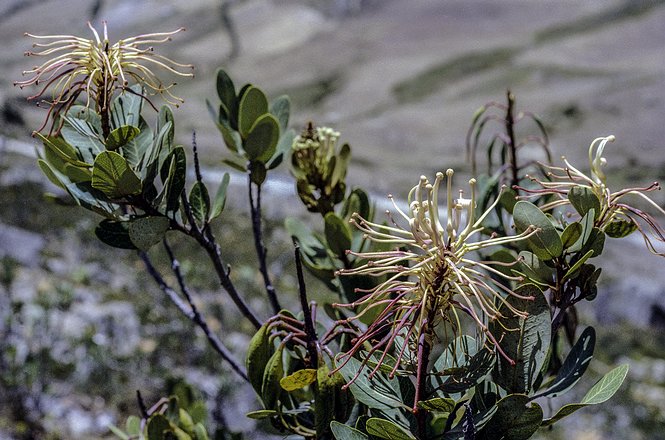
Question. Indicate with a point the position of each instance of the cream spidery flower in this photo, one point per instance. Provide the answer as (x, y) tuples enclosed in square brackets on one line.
[(98, 69), (432, 274), (612, 206)]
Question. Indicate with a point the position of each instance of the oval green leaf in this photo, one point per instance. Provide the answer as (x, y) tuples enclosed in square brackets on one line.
[(283, 147), (199, 200), (281, 109), (298, 379), (380, 392), (388, 430), (126, 108), (146, 232), (252, 105), (341, 164), (174, 178), (545, 243), (571, 234), (274, 371), (114, 234), (358, 202), (599, 393), (77, 174), (607, 386), (573, 270), (574, 366), (112, 175), (534, 269), (157, 426), (513, 419), (121, 136), (257, 172), (50, 173), (462, 379), (62, 149), (231, 137), (259, 352), (262, 138), (345, 432), (338, 235), (583, 199), (133, 425), (200, 432), (220, 197), (82, 135), (226, 90), (438, 404), (620, 228), (526, 342), (261, 414)]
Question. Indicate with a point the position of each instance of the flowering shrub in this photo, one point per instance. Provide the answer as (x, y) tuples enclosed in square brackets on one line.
[(449, 317)]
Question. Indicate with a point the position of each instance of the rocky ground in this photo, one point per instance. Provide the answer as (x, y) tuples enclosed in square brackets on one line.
[(401, 81)]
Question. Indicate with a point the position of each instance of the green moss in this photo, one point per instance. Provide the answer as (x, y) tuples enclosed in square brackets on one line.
[(609, 17), (312, 94), (436, 77)]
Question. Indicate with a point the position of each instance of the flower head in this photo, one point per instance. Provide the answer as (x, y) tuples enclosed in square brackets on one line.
[(319, 168), (613, 209), (314, 147), (97, 68), (432, 273)]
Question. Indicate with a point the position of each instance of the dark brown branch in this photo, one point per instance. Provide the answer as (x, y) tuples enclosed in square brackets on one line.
[(312, 340), (207, 240), (190, 312), (142, 408), (261, 252), (510, 131), (197, 164), (172, 294), (421, 381), (209, 244)]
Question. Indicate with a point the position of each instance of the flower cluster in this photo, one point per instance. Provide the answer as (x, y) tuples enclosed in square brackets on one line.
[(320, 170), (313, 149), (98, 69), (613, 209), (432, 273)]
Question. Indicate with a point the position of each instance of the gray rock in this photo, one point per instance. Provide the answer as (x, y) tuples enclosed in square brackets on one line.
[(21, 245), (631, 285)]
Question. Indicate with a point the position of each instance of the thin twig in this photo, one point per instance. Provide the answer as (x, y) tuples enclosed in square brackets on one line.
[(142, 408), (424, 351), (312, 339), (423, 358), (190, 312), (510, 131), (164, 287), (197, 165), (207, 240), (255, 210)]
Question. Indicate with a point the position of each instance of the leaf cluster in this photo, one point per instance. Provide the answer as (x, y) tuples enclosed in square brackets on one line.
[(254, 130), (453, 384), (178, 417), (135, 177), (298, 395)]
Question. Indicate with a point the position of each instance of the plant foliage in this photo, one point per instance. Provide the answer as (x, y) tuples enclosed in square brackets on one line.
[(446, 326)]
